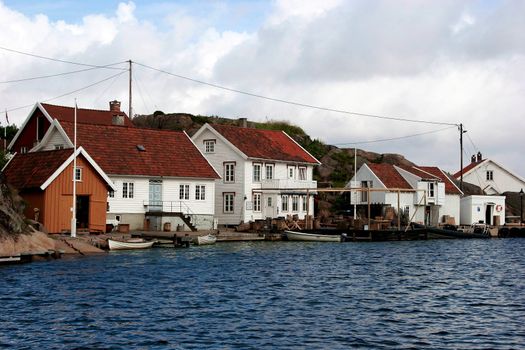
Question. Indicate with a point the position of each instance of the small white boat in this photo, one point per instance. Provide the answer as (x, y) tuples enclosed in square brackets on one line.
[(203, 240), (312, 237), (131, 244)]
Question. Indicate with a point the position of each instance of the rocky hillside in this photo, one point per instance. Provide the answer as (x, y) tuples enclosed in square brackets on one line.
[(12, 221)]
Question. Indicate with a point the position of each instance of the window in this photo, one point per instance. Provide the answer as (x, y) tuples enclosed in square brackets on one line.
[(269, 171), (200, 192), (128, 189), (302, 173), (290, 172), (304, 203), (256, 202), (59, 146), (364, 193), (431, 190), (490, 175), (295, 203), (184, 192), (407, 212), (257, 173), (285, 203), (228, 202), (269, 201), (209, 146), (229, 172), (111, 194), (23, 150), (78, 174)]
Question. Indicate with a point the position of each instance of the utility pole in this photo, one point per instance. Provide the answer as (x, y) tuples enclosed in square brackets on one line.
[(130, 91)]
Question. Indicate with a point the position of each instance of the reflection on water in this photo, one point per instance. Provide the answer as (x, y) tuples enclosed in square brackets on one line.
[(266, 295)]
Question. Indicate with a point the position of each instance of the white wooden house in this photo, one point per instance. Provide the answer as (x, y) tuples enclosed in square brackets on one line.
[(423, 194), (160, 176), (491, 176), (265, 173), (483, 209)]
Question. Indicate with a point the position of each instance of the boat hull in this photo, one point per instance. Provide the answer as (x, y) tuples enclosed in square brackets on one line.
[(205, 240), (118, 245), (311, 237)]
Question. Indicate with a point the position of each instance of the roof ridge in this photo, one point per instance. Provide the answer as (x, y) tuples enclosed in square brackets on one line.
[(84, 109)]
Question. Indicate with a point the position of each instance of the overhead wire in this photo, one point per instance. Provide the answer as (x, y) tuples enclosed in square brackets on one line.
[(49, 76), (394, 138), (296, 103), (67, 93)]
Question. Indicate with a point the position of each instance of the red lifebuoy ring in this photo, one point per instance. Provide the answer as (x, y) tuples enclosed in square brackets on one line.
[(499, 208)]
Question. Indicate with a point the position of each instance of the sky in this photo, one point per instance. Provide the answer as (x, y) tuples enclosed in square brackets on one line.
[(446, 62)]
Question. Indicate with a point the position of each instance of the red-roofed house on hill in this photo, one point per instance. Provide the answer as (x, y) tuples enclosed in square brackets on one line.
[(42, 116), (265, 173), (45, 182), (426, 194), (160, 176)]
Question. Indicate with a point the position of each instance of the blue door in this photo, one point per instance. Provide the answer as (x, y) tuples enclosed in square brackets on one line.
[(155, 195)]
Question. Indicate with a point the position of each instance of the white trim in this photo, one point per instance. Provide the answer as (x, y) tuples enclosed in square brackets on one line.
[(90, 160), (202, 154), (8, 161), (318, 162), (452, 182), (55, 124), (222, 138), (44, 112)]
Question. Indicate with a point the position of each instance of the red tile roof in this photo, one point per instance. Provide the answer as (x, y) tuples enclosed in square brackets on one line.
[(418, 171), (450, 188), (468, 168), (31, 170), (90, 116), (265, 144), (167, 153), (389, 176)]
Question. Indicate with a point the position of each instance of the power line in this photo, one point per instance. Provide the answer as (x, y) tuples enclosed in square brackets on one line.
[(68, 93), (394, 138), (50, 75), (296, 103), (65, 61)]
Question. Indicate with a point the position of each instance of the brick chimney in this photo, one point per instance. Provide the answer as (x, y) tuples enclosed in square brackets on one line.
[(473, 158), (479, 157), (243, 122), (114, 106)]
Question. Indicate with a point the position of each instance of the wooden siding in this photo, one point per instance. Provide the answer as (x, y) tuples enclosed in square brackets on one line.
[(58, 198), (55, 138), (28, 136), (34, 199)]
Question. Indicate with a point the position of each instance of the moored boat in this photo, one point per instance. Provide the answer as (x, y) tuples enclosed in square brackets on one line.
[(131, 244), (312, 237), (203, 240)]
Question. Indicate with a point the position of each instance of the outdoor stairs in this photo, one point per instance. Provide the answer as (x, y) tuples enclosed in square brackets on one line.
[(187, 221)]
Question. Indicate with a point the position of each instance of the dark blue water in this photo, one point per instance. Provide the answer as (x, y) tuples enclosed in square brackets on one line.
[(455, 294)]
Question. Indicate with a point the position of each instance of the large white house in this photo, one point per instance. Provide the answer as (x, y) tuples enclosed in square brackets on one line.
[(423, 194), (490, 176), (265, 173), (160, 176)]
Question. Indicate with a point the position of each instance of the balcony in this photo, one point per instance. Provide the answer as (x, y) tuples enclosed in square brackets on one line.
[(288, 184)]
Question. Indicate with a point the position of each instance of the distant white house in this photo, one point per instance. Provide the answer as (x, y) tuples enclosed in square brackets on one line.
[(483, 209), (423, 194), (490, 176), (265, 173)]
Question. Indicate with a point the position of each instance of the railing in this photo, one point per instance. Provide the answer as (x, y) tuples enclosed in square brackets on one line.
[(170, 207), (288, 183)]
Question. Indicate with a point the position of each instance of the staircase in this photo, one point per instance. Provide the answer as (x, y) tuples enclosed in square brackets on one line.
[(187, 221)]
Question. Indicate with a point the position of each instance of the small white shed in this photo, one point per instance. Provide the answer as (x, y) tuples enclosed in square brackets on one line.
[(485, 209)]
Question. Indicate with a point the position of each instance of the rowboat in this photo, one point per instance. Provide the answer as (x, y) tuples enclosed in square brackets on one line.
[(203, 240), (312, 237), (131, 244)]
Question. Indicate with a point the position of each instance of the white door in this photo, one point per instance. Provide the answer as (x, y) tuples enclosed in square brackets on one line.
[(269, 206)]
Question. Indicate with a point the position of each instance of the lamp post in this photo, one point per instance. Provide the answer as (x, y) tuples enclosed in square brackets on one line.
[(521, 207)]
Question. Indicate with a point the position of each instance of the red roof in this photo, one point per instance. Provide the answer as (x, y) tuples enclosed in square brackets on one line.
[(389, 176), (468, 168), (89, 116), (31, 170), (449, 185), (166, 153), (418, 171), (265, 144)]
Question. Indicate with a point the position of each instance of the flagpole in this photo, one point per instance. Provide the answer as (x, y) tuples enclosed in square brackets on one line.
[(74, 208), (5, 132)]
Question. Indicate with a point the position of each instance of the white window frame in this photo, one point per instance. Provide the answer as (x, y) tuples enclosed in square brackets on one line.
[(302, 173), (209, 146), (291, 172), (269, 171), (303, 197), (128, 189), (295, 203), (257, 202), (229, 172), (111, 194), (228, 202), (23, 150), (431, 190), (269, 202), (200, 192), (364, 194), (257, 172), (59, 146), (490, 175), (78, 174), (284, 203), (184, 192)]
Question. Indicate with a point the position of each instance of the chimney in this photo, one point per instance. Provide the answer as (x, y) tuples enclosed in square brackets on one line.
[(114, 106), (479, 157), (117, 119), (473, 158), (243, 122)]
